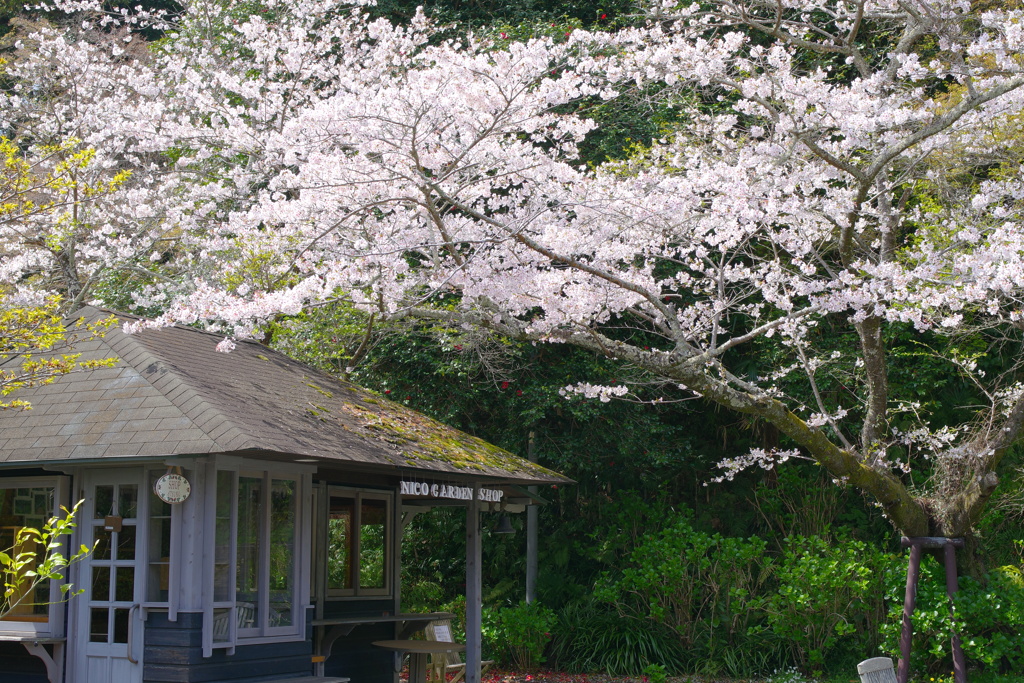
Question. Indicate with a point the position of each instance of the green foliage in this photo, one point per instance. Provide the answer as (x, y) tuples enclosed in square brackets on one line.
[(591, 636), (477, 13), (36, 557), (703, 586), (989, 618), (828, 594), (800, 500), (37, 335), (518, 635), (655, 673)]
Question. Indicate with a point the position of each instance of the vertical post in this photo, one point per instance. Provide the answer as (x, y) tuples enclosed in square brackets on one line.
[(959, 665), (531, 533), (910, 597), (474, 588)]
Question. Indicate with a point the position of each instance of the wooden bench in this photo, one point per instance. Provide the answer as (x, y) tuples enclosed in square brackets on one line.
[(34, 644)]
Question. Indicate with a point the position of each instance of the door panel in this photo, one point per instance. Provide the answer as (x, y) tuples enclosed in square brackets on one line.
[(109, 629)]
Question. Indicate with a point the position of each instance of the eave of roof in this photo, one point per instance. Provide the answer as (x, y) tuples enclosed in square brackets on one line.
[(173, 394)]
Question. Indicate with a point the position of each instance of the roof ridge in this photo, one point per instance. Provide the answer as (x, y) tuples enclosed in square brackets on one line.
[(193, 404), (177, 326)]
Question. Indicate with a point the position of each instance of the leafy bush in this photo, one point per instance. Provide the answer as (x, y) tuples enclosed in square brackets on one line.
[(989, 617), (655, 673), (421, 595), (829, 594), (518, 635), (592, 636), (704, 587)]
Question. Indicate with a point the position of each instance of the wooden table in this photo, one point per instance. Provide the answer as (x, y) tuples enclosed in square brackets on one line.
[(329, 629), (34, 644), (417, 651)]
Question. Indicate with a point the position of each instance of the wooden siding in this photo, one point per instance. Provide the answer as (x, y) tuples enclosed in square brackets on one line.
[(174, 654)]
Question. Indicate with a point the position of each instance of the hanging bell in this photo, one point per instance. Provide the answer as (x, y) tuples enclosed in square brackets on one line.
[(504, 525)]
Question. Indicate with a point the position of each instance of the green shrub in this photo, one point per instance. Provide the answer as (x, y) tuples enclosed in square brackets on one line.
[(590, 636), (829, 594), (421, 595), (989, 618), (518, 635), (704, 587), (655, 673)]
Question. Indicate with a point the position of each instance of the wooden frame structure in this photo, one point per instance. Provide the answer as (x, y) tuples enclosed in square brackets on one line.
[(917, 545)]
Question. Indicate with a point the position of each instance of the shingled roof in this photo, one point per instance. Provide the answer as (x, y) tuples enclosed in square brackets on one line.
[(172, 393)]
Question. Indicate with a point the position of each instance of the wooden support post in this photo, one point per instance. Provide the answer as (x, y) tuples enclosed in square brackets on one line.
[(917, 545), (959, 664), (474, 589), (909, 598), (531, 534)]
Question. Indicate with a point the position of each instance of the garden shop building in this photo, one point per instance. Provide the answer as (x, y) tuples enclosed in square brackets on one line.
[(246, 512)]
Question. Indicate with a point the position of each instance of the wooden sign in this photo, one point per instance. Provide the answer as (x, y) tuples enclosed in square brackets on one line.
[(172, 488), (421, 488)]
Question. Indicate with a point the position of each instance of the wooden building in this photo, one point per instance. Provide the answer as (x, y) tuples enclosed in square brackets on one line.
[(282, 558)]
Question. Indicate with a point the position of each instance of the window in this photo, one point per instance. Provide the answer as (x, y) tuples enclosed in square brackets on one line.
[(158, 555), (256, 522), (265, 553), (30, 503), (358, 543)]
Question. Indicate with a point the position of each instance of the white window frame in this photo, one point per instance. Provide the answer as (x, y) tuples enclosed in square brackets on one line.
[(235, 468), (358, 495), (54, 624)]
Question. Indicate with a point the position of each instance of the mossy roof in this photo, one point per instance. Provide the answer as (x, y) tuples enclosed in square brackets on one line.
[(173, 393)]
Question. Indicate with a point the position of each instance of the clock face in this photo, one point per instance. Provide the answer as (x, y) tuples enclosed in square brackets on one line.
[(172, 488)]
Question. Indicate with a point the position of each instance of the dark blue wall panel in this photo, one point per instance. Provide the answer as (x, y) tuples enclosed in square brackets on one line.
[(174, 654), (18, 666)]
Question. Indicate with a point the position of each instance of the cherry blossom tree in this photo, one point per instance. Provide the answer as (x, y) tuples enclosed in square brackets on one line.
[(831, 169)]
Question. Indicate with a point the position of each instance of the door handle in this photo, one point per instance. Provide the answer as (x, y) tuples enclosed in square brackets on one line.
[(131, 634)]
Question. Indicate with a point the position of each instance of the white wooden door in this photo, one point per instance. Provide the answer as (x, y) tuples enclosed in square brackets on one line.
[(107, 620)]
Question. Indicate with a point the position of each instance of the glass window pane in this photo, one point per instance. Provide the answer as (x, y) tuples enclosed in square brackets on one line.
[(372, 543), (104, 501), (124, 586), (159, 559), (21, 508), (158, 555), (101, 584), (120, 626), (157, 589), (102, 549), (247, 547), (221, 624), (157, 507), (128, 500), (98, 627), (222, 538), (126, 542), (340, 542), (282, 551)]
